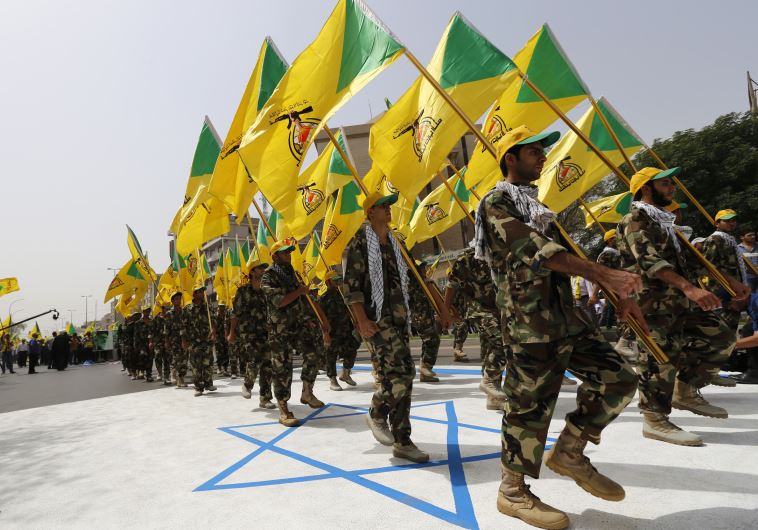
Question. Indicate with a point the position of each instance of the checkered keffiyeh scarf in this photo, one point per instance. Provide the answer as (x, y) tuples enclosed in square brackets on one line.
[(732, 242), (538, 215), (286, 273), (375, 271), (663, 218)]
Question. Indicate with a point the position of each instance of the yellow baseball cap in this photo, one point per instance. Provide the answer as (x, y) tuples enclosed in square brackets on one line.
[(283, 245), (522, 135), (610, 234), (378, 199), (646, 174), (725, 215)]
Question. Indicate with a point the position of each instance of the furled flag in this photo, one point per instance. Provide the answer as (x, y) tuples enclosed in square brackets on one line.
[(8, 285), (70, 329), (139, 257), (414, 137), (351, 49), (221, 280), (233, 273), (243, 249), (129, 303), (313, 265), (231, 182), (324, 176), (609, 209), (547, 66), (572, 169), (203, 217), (439, 210), (125, 280), (343, 218), (34, 330), (265, 239)]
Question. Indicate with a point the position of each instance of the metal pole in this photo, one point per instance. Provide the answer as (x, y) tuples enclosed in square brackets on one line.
[(592, 214)]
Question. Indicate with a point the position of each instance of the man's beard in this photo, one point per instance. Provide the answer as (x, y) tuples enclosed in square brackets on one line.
[(658, 198)]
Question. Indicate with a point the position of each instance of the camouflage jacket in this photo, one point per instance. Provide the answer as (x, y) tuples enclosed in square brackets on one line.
[(172, 327), (537, 302), (157, 333), (471, 279), (282, 320), (128, 336), (422, 312), (251, 312), (724, 257), (195, 328), (356, 285), (646, 248), (610, 257), (337, 314), (142, 332), (221, 324)]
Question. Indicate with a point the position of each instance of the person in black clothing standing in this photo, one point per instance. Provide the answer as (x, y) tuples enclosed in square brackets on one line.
[(60, 351)]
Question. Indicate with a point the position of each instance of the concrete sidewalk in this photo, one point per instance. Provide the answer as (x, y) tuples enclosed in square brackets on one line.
[(165, 459)]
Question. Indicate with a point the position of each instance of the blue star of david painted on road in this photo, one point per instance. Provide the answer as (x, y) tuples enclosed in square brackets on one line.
[(463, 515)]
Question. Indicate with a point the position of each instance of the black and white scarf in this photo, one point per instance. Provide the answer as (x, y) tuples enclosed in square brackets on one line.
[(286, 274), (537, 215), (375, 271), (732, 242), (665, 219)]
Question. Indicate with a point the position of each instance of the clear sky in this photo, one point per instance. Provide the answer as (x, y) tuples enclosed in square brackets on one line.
[(102, 102)]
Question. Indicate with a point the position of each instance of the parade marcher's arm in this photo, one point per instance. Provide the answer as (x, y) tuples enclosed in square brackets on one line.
[(232, 337), (290, 297), (748, 342), (706, 300), (450, 292), (354, 267), (366, 327), (444, 318), (622, 283), (717, 251)]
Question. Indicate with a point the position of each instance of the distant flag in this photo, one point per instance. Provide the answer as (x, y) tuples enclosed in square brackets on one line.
[(125, 279), (8, 285), (609, 209), (34, 330), (138, 256)]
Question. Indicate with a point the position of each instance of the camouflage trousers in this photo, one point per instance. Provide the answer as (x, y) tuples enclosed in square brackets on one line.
[(145, 362), (391, 355), (163, 364), (429, 332), (696, 342), (222, 354), (233, 362), (257, 364), (492, 350), (127, 359), (201, 359), (460, 332), (179, 361), (308, 345), (533, 378), (339, 348)]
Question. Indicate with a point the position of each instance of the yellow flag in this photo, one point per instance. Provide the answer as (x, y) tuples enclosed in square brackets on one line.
[(547, 66), (439, 210), (402, 213), (343, 218), (351, 49), (414, 137), (313, 266), (139, 257), (324, 176), (609, 209), (8, 285), (34, 330), (5, 325), (233, 273), (572, 169), (220, 280), (125, 280), (230, 181), (129, 303), (204, 218)]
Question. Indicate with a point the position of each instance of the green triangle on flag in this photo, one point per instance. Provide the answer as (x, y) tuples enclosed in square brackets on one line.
[(337, 164), (600, 136), (349, 203), (272, 71), (206, 152)]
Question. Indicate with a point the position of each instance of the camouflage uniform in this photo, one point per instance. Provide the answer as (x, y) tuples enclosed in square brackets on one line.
[(344, 343), (423, 323), (549, 335), (390, 347), (127, 356), (162, 356), (611, 258), (695, 341), (221, 347), (142, 351), (472, 278), (252, 337), (461, 327), (195, 330), (290, 327), (724, 257), (172, 328)]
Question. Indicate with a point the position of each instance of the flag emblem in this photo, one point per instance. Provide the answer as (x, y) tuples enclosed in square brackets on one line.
[(387, 185), (300, 129), (116, 282), (567, 173), (434, 213), (332, 233), (312, 198), (192, 265), (422, 129), (307, 268), (496, 130)]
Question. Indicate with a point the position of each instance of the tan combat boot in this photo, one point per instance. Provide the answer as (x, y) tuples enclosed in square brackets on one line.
[(495, 404), (380, 430), (345, 376), (717, 380), (459, 356), (687, 397), (246, 392), (657, 426), (266, 403), (491, 388), (409, 451), (307, 397), (426, 375), (286, 418), (567, 458), (333, 384), (515, 499)]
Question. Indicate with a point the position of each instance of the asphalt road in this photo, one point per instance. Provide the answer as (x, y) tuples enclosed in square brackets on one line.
[(78, 383)]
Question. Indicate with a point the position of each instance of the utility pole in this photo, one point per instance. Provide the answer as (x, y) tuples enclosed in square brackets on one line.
[(86, 307), (752, 90)]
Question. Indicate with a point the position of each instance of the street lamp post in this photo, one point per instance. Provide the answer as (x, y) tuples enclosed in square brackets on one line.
[(86, 307)]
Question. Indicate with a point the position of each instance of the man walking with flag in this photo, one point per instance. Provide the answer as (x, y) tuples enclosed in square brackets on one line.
[(376, 287), (197, 337), (344, 345), (172, 329), (517, 237)]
